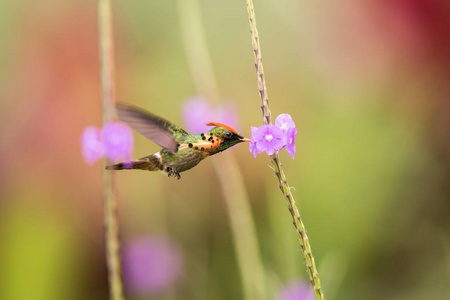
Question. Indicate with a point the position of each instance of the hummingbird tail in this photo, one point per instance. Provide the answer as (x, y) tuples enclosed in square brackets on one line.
[(149, 163)]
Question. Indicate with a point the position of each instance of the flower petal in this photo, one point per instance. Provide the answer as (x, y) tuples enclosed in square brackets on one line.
[(284, 122), (227, 113), (150, 265), (290, 136), (252, 148), (117, 140), (268, 138), (91, 145), (196, 113), (297, 290), (291, 150)]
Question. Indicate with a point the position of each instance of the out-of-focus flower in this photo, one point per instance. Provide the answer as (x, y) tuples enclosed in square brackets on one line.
[(114, 140), (118, 141), (297, 290), (268, 138), (271, 138), (91, 144), (227, 113), (150, 264), (197, 111)]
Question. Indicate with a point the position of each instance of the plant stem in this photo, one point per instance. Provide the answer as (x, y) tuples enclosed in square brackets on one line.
[(194, 41), (283, 183), (109, 196), (258, 63), (242, 227), (227, 169)]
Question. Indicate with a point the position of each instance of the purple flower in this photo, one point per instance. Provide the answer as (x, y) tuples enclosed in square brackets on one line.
[(150, 264), (91, 145), (271, 138), (227, 113), (114, 141), (285, 123), (197, 112), (297, 290), (118, 141), (290, 139), (267, 138), (252, 146)]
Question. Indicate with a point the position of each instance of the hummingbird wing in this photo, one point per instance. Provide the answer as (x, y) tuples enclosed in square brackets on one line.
[(153, 127)]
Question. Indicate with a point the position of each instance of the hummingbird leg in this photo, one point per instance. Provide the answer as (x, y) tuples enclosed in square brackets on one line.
[(172, 173)]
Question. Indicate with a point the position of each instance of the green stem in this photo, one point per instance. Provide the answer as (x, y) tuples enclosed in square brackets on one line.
[(277, 166), (227, 169), (109, 197), (194, 41), (242, 227)]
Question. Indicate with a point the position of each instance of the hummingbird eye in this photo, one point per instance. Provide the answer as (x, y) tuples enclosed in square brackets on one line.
[(228, 134)]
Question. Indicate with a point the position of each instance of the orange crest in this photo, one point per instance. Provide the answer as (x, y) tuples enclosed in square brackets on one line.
[(229, 128)]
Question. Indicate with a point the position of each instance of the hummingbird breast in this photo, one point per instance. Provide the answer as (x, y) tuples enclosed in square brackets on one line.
[(183, 160)]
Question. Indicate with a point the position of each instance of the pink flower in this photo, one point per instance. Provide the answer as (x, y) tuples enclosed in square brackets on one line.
[(118, 141), (114, 140), (290, 147), (271, 138), (297, 290), (285, 123), (91, 145), (150, 265), (252, 146), (197, 111), (268, 138)]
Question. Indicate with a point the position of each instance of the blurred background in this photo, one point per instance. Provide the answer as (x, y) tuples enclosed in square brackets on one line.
[(367, 83)]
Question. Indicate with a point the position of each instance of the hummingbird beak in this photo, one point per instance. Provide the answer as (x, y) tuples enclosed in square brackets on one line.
[(245, 140)]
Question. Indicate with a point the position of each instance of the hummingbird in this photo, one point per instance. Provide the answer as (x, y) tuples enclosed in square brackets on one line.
[(181, 150)]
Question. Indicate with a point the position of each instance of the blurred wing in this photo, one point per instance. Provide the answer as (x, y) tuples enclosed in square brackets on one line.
[(151, 126)]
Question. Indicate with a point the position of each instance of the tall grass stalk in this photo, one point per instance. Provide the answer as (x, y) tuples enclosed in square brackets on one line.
[(110, 198), (227, 169), (276, 163)]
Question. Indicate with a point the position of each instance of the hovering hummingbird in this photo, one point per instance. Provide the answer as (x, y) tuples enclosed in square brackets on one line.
[(181, 150)]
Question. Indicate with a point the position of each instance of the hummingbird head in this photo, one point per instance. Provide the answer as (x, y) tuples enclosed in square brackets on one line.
[(227, 135)]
